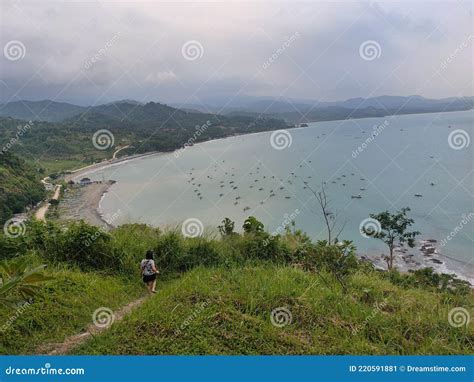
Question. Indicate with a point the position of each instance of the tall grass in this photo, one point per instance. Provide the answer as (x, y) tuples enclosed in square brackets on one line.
[(227, 311)]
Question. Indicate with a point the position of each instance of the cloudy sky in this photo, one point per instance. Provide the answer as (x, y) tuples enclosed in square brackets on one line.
[(91, 52)]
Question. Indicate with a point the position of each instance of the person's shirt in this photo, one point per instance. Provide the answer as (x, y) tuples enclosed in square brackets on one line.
[(147, 266)]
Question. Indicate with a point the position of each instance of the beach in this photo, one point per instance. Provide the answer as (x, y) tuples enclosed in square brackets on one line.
[(81, 202)]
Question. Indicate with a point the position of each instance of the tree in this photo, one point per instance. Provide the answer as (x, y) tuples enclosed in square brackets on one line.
[(227, 227), (252, 225), (392, 229), (330, 218)]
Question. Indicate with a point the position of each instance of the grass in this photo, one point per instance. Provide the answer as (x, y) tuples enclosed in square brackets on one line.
[(227, 311), (58, 165), (64, 307)]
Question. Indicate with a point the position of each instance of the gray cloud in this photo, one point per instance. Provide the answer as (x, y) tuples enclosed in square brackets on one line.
[(93, 52)]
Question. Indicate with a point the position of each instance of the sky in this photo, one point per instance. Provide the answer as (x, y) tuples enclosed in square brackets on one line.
[(93, 52)]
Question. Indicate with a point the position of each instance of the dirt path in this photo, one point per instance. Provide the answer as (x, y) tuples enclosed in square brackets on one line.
[(75, 340), (40, 214), (118, 150)]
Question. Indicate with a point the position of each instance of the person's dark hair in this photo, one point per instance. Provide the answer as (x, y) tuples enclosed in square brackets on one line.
[(149, 255)]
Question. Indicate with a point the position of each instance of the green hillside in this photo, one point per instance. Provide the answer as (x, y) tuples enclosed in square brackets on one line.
[(228, 311), (150, 127), (217, 296), (19, 186)]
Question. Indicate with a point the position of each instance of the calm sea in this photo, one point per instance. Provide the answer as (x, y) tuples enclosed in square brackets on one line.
[(387, 161)]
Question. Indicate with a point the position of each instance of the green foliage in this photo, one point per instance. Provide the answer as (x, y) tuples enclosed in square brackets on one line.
[(227, 227), (228, 310), (70, 140), (19, 186), (252, 225), (64, 306), (19, 281), (393, 231), (81, 244), (428, 279)]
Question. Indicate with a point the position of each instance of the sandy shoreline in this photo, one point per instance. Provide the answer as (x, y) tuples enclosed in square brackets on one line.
[(82, 202), (106, 163)]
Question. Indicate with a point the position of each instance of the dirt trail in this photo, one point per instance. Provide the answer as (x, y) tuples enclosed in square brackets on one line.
[(75, 340), (40, 214)]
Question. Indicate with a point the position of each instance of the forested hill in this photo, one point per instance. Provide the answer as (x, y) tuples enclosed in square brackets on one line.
[(150, 127), (19, 186)]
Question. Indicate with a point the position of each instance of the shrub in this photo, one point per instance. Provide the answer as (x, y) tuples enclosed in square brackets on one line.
[(171, 253), (201, 251)]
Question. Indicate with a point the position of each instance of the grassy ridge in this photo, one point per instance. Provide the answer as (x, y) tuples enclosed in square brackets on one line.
[(64, 307), (216, 295), (227, 311)]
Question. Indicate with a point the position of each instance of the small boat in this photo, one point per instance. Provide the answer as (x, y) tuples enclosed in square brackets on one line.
[(362, 189), (287, 197), (356, 196), (418, 195)]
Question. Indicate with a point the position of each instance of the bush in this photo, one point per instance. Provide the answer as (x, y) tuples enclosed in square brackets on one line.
[(171, 253), (426, 278), (81, 244)]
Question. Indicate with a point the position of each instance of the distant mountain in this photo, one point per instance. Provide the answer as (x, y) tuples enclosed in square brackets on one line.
[(297, 112), (45, 110), (292, 111), (392, 103)]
